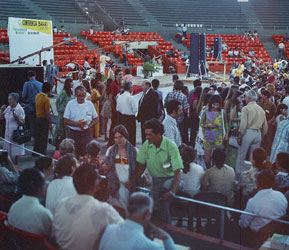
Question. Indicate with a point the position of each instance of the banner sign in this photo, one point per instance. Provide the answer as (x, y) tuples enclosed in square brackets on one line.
[(27, 36)]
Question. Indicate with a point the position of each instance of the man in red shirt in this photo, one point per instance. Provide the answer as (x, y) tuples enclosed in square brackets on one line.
[(114, 90)]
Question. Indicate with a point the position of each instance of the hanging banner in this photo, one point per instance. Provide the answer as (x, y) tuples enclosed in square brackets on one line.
[(27, 36)]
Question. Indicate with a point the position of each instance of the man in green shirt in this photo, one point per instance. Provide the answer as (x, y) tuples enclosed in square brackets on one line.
[(162, 159)]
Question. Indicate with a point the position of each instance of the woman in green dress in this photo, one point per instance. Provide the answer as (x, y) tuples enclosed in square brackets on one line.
[(64, 97)]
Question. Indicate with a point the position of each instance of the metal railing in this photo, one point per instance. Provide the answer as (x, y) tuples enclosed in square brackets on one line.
[(222, 208), (19, 146), (181, 198)]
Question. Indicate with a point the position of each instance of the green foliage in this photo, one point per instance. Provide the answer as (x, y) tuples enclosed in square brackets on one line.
[(149, 68)]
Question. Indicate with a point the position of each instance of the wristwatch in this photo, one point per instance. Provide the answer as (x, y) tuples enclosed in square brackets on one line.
[(172, 193)]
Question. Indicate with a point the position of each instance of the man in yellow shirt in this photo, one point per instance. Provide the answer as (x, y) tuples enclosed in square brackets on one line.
[(43, 119), (252, 128)]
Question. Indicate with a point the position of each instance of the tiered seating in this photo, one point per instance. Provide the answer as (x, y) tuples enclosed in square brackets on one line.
[(277, 40), (106, 39), (78, 48), (272, 13), (122, 9), (234, 41), (64, 11), (15, 8), (206, 12), (3, 36)]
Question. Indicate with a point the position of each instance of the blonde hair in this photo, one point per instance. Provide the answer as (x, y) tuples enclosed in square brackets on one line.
[(66, 146)]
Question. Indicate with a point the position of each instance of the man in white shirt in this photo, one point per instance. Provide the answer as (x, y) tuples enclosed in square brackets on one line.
[(80, 116), (76, 83), (71, 65), (63, 187), (86, 64), (130, 234), (267, 202), (281, 47), (172, 132), (185, 29), (127, 106), (80, 220), (27, 213)]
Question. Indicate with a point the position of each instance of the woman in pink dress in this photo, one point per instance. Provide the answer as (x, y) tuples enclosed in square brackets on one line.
[(14, 116)]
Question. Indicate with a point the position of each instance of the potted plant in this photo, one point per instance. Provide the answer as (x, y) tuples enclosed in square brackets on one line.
[(149, 68)]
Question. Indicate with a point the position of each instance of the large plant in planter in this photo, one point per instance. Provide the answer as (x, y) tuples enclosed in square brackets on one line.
[(149, 68)]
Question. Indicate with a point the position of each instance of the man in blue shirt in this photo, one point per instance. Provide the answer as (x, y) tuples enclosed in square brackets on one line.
[(130, 234), (29, 92)]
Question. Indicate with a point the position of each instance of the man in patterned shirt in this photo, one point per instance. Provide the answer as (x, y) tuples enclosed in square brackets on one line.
[(178, 95)]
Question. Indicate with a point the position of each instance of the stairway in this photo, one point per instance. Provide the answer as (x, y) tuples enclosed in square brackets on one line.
[(269, 46), (40, 12), (91, 46), (248, 11), (144, 13)]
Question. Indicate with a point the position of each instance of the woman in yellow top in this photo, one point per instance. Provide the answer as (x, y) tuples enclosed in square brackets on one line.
[(95, 97), (239, 71)]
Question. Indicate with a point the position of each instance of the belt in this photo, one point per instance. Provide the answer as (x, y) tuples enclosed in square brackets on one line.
[(78, 131), (132, 116), (258, 130)]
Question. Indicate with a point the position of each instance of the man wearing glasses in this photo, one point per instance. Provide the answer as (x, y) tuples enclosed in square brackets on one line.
[(80, 116)]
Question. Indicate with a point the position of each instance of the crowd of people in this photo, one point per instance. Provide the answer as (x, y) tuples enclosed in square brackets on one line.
[(232, 139)]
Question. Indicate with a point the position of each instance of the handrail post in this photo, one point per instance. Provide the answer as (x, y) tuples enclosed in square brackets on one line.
[(222, 225)]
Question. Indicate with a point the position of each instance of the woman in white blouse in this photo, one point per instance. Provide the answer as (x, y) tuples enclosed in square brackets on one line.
[(120, 164)]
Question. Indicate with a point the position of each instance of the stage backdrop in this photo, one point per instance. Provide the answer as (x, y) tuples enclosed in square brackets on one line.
[(27, 36)]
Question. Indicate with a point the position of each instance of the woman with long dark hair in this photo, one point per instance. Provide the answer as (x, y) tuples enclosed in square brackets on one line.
[(259, 162), (214, 126), (95, 98), (64, 97), (120, 164), (106, 109), (234, 123), (194, 114)]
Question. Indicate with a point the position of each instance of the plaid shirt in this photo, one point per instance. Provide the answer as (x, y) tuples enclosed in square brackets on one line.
[(180, 97)]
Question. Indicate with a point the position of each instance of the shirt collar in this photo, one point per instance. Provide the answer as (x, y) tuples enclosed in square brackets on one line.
[(171, 119), (30, 198), (251, 103), (147, 90), (162, 146), (134, 225), (265, 191)]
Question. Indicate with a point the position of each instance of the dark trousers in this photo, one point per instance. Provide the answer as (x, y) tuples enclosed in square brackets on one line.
[(114, 123), (129, 122), (41, 135), (124, 59), (181, 126), (81, 139), (143, 136), (31, 116), (194, 129)]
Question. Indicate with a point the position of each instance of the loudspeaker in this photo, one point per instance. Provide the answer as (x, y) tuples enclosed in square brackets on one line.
[(194, 54), (13, 77), (203, 54), (203, 47), (218, 48)]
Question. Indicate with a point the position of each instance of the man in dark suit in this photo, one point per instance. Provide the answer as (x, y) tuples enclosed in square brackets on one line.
[(148, 106)]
